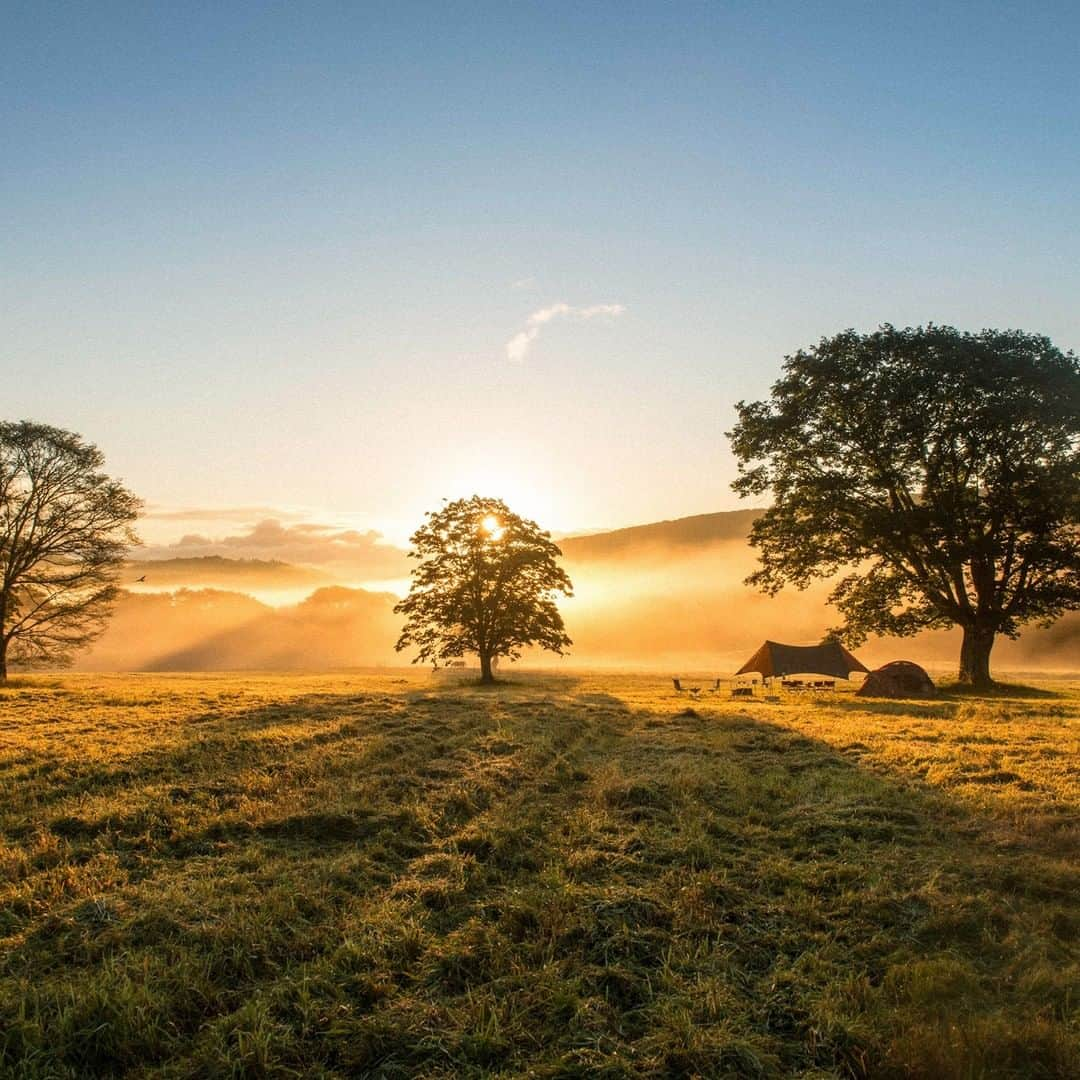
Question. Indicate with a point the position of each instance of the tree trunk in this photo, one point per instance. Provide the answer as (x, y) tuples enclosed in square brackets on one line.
[(486, 674), (3, 661), (975, 657)]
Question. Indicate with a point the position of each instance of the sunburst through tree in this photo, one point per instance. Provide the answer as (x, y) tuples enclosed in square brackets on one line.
[(486, 583)]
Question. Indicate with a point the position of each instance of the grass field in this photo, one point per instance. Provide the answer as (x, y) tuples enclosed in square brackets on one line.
[(398, 876)]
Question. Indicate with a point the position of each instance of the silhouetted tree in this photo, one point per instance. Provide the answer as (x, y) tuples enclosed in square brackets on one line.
[(486, 584), (939, 469), (64, 530)]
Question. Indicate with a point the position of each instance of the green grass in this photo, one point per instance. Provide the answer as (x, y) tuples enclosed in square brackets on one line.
[(558, 877)]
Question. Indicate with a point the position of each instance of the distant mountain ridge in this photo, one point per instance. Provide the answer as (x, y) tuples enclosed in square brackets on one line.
[(699, 530), (220, 570)]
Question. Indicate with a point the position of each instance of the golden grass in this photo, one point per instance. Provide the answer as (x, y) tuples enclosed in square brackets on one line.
[(396, 875)]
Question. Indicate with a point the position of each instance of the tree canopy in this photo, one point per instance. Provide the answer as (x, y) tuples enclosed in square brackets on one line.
[(65, 528), (935, 473), (485, 583)]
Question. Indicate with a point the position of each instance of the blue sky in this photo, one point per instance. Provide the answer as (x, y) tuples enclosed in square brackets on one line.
[(271, 255)]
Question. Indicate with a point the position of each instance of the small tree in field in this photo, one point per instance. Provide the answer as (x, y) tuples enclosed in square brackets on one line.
[(64, 530), (938, 471), (486, 583)]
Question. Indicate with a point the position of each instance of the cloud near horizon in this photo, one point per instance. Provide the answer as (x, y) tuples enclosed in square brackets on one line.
[(518, 346), (349, 553), (241, 514)]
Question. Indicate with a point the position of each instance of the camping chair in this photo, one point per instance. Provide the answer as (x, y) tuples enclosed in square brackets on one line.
[(714, 688), (680, 689)]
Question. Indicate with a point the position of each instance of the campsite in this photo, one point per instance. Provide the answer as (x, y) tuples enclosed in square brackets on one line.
[(569, 875), (481, 866), (540, 541)]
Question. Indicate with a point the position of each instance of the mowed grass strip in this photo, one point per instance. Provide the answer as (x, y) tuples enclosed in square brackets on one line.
[(561, 876)]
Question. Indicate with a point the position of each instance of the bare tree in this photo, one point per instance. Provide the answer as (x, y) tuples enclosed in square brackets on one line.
[(65, 528)]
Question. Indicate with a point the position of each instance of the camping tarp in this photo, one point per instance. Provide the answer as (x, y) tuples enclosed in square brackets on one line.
[(828, 658)]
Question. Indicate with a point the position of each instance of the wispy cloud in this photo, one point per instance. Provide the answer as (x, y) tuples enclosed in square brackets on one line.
[(243, 514), (518, 346)]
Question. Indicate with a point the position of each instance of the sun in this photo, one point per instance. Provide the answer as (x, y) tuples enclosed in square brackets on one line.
[(527, 486), (492, 527)]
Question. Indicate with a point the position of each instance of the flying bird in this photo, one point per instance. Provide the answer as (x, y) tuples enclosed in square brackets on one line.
[(140, 580)]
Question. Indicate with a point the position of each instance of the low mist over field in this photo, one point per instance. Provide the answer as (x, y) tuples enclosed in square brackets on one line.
[(669, 595), (218, 630)]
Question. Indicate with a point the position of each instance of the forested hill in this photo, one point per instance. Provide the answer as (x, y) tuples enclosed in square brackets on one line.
[(216, 570), (700, 530)]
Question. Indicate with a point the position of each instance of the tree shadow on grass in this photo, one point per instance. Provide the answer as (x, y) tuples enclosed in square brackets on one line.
[(212, 745), (999, 692), (17, 685), (217, 741), (575, 887), (378, 730), (510, 682), (922, 709), (944, 706)]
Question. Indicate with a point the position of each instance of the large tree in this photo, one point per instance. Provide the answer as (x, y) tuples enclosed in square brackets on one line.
[(64, 530), (485, 583), (936, 472)]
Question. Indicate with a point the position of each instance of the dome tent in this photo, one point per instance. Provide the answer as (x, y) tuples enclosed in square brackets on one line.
[(900, 679)]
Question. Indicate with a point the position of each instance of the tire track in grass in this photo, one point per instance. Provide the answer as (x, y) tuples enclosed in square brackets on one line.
[(418, 938), (273, 844)]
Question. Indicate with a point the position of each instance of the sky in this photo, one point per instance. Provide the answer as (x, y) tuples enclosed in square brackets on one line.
[(331, 263)]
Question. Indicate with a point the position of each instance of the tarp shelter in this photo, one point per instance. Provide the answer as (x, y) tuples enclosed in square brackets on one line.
[(828, 658)]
